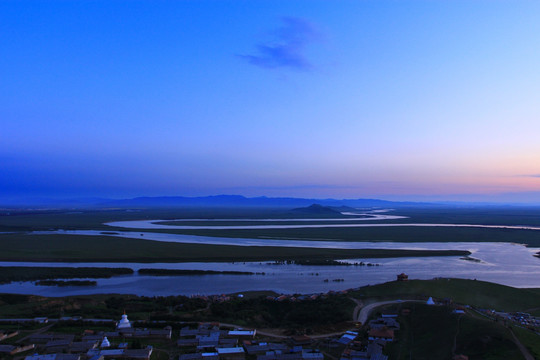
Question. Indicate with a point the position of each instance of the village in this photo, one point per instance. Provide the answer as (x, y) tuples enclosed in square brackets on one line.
[(375, 326), (204, 341)]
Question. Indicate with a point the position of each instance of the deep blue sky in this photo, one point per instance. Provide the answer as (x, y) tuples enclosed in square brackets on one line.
[(390, 99)]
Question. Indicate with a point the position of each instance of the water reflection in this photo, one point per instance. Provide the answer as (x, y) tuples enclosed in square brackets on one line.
[(504, 263)]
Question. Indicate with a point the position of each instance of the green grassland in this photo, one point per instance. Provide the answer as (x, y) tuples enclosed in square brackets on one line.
[(379, 234), (23, 221), (430, 332), (485, 339), (250, 311), (450, 215), (177, 272), (529, 339), (480, 294), (96, 306), (29, 220), (485, 215), (31, 273), (32, 220), (78, 248), (22, 247), (261, 312)]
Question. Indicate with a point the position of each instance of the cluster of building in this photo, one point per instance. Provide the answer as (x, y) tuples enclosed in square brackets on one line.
[(282, 297), (526, 320), (213, 298), (92, 345), (523, 319), (14, 349), (210, 342), (6, 349), (381, 331), (306, 297)]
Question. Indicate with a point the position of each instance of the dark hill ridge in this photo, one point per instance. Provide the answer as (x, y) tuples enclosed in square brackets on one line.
[(317, 209)]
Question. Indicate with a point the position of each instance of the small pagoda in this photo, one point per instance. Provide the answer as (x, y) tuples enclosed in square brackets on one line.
[(124, 323)]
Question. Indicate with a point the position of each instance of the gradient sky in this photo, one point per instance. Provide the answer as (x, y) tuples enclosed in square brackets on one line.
[(344, 99)]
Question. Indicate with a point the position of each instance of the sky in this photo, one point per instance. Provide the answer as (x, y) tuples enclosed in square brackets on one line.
[(398, 100)]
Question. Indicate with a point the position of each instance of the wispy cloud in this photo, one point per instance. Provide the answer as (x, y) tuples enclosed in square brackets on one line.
[(287, 48), (530, 175)]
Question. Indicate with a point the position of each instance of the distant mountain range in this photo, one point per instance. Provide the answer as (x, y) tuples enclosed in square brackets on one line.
[(206, 201), (241, 201)]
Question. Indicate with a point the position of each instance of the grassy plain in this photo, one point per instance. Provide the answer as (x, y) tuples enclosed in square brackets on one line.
[(379, 234), (529, 339), (23, 247), (28, 220), (34, 220), (85, 219), (249, 311), (31, 273), (431, 332)]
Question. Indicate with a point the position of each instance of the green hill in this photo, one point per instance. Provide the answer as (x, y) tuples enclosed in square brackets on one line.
[(470, 292), (435, 332), (317, 209)]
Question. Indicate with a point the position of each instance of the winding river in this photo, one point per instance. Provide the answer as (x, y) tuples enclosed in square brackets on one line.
[(504, 263)]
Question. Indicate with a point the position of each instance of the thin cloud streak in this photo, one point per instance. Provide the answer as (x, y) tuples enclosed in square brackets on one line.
[(530, 175), (288, 47)]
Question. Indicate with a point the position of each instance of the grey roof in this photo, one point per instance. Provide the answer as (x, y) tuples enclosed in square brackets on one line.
[(7, 348), (61, 342), (230, 350), (54, 357), (186, 331), (278, 356), (44, 338), (228, 341), (152, 332), (259, 349), (187, 342), (92, 337), (214, 335), (195, 356), (68, 357), (390, 323), (83, 346), (138, 353)]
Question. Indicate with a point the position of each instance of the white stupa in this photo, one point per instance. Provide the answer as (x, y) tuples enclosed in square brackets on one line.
[(105, 343), (430, 301), (124, 323)]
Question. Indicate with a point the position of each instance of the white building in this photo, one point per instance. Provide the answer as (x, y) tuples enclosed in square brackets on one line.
[(105, 343), (124, 323)]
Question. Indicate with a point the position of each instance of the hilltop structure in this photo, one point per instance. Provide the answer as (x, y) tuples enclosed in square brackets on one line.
[(403, 277)]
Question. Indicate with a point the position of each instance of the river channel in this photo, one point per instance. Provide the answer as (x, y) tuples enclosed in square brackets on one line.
[(503, 263)]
